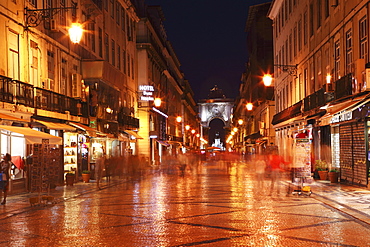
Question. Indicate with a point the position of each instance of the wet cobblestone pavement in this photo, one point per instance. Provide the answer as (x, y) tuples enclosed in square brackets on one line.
[(211, 205)]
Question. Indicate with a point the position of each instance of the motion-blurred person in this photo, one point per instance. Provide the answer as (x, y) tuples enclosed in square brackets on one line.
[(275, 162), (5, 166), (260, 167), (99, 166)]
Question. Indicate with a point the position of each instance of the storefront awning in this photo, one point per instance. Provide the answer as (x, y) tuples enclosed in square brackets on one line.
[(11, 118), (56, 126), (134, 134), (90, 131), (287, 114), (163, 143), (335, 109), (33, 136)]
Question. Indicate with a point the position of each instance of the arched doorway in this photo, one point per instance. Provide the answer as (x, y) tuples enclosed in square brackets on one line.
[(216, 133)]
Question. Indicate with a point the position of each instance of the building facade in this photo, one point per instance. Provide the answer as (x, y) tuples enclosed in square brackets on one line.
[(86, 93), (321, 85), (255, 132)]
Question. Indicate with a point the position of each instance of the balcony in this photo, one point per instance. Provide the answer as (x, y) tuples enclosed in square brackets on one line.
[(128, 122), (343, 86), (315, 100), (51, 101), (24, 94), (6, 89)]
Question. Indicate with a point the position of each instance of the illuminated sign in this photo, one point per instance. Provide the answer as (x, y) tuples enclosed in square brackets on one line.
[(341, 117), (147, 92)]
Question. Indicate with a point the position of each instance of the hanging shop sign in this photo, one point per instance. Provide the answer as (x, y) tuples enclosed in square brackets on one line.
[(146, 92)]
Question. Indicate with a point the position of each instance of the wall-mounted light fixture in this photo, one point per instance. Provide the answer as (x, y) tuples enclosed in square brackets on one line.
[(34, 17), (291, 69)]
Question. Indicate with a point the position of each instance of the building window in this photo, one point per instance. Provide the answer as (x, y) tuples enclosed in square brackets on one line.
[(63, 13), (33, 3), (100, 37), (112, 8), (326, 8), (311, 19), (318, 4), (34, 63), (113, 53), (295, 41), (106, 43), (124, 61), (305, 28), (349, 59), (128, 65), (123, 23), (290, 48), (363, 39), (286, 52), (337, 60), (119, 57), (132, 68), (51, 65), (63, 78), (118, 7), (299, 34), (13, 42)]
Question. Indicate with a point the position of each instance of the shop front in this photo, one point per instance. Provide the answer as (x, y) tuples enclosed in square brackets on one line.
[(349, 131), (37, 158)]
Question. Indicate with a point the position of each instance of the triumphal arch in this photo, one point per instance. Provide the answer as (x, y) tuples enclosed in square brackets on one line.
[(215, 115)]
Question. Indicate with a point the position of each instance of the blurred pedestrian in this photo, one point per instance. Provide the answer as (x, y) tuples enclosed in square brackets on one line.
[(260, 167), (99, 166), (5, 165), (275, 162)]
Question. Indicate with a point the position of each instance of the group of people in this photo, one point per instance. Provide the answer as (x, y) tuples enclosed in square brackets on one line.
[(271, 166)]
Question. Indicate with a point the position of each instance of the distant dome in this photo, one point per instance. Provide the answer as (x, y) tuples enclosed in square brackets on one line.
[(216, 93)]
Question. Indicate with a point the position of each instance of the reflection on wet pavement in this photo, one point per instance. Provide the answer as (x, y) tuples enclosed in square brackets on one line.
[(213, 204)]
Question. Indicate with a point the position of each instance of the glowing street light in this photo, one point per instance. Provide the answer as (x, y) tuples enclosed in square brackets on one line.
[(193, 131), (157, 102), (178, 119), (75, 33), (187, 127), (249, 106), (240, 121), (267, 80)]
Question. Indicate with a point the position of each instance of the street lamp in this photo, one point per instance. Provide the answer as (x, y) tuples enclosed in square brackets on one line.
[(267, 80), (75, 33), (240, 121), (178, 119), (157, 102), (249, 106), (187, 127), (34, 17)]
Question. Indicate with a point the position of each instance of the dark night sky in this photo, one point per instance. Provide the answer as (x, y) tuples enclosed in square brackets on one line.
[(209, 39)]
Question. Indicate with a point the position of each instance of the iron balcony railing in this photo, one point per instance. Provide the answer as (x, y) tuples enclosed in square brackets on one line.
[(128, 121), (6, 89)]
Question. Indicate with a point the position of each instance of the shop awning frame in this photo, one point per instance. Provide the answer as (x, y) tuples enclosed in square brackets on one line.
[(11, 118), (56, 126), (134, 134), (163, 143), (90, 131), (33, 136)]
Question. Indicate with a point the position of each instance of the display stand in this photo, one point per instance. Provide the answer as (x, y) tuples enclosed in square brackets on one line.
[(45, 167), (70, 152)]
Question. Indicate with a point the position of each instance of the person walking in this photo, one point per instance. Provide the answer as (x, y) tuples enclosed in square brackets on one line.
[(5, 165), (275, 162), (260, 167), (99, 166)]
